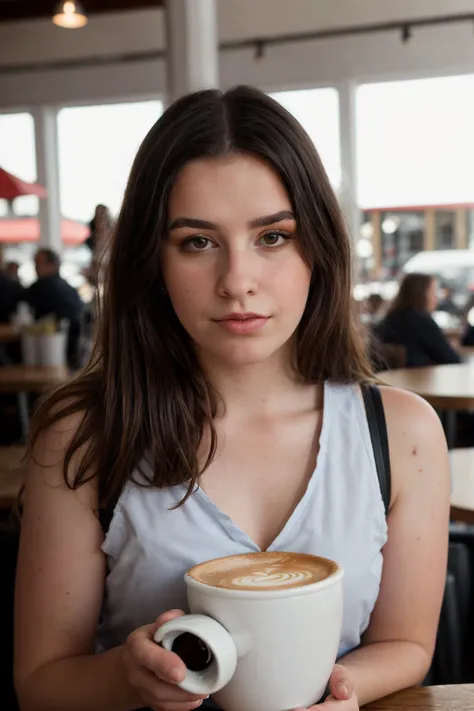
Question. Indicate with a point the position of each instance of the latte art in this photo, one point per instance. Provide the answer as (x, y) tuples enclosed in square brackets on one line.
[(270, 578), (263, 571)]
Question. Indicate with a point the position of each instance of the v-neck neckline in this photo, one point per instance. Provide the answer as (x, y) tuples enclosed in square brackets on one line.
[(236, 533)]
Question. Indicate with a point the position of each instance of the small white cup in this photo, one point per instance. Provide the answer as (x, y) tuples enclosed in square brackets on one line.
[(52, 349), (269, 650), (29, 349)]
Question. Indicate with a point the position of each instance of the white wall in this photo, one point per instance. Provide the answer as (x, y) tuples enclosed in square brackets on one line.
[(431, 51)]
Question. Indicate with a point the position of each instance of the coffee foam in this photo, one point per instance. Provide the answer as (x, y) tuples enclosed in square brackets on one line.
[(263, 571)]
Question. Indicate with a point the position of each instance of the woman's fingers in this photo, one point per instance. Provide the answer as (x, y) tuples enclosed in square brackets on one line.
[(166, 665), (332, 704), (341, 683), (159, 691), (147, 681), (155, 672), (166, 617)]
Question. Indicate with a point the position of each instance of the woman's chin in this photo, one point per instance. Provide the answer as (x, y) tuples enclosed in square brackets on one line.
[(243, 355)]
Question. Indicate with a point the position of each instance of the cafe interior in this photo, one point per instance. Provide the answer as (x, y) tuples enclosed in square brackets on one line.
[(385, 91)]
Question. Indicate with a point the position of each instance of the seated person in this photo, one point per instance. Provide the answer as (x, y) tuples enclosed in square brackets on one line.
[(52, 295), (446, 302), (12, 270), (409, 323), (374, 308), (467, 335), (11, 293), (467, 338)]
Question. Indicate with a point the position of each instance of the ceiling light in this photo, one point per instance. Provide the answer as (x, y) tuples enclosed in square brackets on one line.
[(69, 14), (364, 248), (367, 230), (390, 225)]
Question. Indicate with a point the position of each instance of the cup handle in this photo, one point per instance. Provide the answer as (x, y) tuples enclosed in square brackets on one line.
[(217, 651)]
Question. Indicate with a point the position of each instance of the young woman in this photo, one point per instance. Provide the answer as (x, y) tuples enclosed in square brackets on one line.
[(409, 323), (222, 413)]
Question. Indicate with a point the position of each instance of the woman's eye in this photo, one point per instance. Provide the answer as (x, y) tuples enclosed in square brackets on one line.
[(196, 244), (275, 239)]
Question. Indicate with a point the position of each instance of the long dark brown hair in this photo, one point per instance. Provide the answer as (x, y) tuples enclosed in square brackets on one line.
[(143, 394), (412, 294)]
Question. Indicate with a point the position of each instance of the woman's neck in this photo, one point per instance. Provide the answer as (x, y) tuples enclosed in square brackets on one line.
[(269, 387)]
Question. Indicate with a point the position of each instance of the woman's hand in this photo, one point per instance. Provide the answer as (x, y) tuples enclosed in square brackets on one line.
[(342, 695), (154, 672)]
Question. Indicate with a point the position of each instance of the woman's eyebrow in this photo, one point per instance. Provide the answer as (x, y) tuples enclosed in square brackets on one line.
[(192, 222), (271, 219), (263, 221)]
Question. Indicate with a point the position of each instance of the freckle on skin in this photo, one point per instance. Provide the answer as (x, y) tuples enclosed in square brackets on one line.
[(415, 451), (419, 471)]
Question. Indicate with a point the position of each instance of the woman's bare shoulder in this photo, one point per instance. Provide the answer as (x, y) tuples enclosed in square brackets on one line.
[(406, 410), (416, 439), (48, 453)]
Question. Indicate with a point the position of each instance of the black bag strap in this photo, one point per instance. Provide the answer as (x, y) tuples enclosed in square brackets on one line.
[(105, 516), (378, 434)]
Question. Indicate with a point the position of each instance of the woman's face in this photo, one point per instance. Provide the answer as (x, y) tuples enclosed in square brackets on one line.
[(232, 264)]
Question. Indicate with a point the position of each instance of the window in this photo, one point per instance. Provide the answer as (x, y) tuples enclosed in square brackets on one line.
[(415, 143), (97, 145), (318, 112)]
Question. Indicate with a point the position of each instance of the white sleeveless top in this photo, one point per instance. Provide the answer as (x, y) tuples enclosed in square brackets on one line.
[(341, 516)]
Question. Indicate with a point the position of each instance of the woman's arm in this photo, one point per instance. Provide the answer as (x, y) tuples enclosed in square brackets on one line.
[(60, 586), (60, 583), (399, 642)]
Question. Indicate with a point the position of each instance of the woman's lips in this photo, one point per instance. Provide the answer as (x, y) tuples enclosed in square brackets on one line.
[(242, 325)]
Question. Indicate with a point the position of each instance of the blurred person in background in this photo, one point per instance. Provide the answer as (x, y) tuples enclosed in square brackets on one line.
[(101, 227), (374, 308), (52, 295), (467, 335), (11, 293), (446, 302), (11, 269), (409, 323)]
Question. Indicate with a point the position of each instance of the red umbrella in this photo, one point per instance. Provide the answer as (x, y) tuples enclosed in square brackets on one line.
[(27, 229), (12, 187)]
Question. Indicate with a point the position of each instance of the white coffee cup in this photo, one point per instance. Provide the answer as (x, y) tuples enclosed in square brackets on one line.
[(268, 649), (29, 349), (52, 349)]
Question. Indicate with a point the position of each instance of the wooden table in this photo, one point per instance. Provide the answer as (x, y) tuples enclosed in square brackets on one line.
[(22, 379), (462, 489), (446, 387), (429, 698), (9, 333), (15, 378), (12, 475), (467, 352)]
